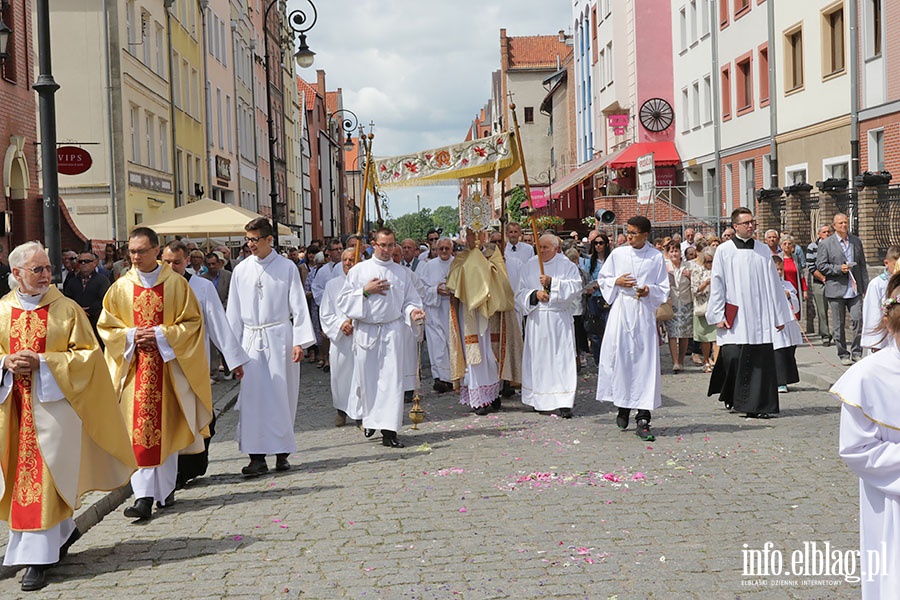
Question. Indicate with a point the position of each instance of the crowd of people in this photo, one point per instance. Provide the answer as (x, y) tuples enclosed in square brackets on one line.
[(118, 365)]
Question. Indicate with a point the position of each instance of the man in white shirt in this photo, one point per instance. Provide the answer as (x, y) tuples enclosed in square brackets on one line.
[(516, 249)]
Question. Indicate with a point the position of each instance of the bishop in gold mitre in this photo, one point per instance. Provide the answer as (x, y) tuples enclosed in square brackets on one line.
[(61, 434), (152, 328)]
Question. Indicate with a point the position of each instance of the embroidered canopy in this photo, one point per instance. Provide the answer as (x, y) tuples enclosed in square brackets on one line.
[(484, 157)]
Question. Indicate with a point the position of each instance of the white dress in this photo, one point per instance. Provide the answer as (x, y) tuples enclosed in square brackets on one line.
[(875, 295), (549, 377), (268, 313), (344, 387), (628, 374), (378, 338), (870, 445), (437, 315)]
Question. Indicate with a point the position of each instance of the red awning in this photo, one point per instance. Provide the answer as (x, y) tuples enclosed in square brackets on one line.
[(664, 154)]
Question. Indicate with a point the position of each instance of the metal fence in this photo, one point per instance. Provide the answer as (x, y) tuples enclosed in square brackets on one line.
[(887, 218)]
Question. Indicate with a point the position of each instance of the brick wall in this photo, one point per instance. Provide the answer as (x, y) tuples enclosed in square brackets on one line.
[(891, 125)]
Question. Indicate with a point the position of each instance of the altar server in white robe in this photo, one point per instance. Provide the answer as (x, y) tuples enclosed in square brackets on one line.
[(873, 338), (635, 282), (411, 336), (218, 331), (268, 313), (549, 377), (870, 445), (339, 329), (785, 342), (381, 297), (744, 277), (436, 298)]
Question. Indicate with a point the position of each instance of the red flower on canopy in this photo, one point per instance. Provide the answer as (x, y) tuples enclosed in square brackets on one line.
[(499, 141), (480, 151), (465, 161), (383, 168), (413, 167)]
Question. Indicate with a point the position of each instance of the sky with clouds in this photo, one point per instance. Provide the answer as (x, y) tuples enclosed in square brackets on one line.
[(420, 69)]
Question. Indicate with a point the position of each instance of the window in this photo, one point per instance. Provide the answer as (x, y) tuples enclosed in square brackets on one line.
[(179, 177), (729, 184), (692, 20), (744, 85), (682, 20), (594, 47), (209, 126), (160, 51), (229, 146), (186, 86), (130, 23), (219, 125), (726, 93), (795, 174), (836, 168), (195, 93), (695, 104), (163, 146), (529, 114), (602, 65), (763, 75), (873, 28), (723, 13), (685, 111), (707, 99), (198, 172), (609, 63), (704, 18), (748, 182), (145, 19), (741, 7), (135, 136), (8, 65), (876, 150), (176, 80), (148, 136), (224, 34), (833, 41), (793, 56)]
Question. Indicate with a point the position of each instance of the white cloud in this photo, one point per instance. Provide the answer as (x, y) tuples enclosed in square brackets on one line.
[(421, 70)]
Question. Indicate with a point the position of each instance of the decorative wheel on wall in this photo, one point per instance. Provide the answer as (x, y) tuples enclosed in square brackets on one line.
[(656, 115)]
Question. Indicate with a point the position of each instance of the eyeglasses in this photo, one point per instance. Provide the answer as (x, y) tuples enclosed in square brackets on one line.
[(40, 269), (84, 261), (433, 239), (253, 239), (751, 222), (599, 243)]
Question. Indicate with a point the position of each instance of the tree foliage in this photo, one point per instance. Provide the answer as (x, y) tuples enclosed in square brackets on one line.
[(517, 198), (446, 218), (416, 225)]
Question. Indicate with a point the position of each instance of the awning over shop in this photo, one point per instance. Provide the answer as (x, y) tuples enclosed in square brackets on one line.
[(664, 154), (573, 178)]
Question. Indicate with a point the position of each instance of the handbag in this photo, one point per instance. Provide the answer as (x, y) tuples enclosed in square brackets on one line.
[(700, 309), (665, 312)]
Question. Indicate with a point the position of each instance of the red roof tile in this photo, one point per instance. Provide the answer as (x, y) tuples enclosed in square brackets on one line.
[(310, 91), (332, 101), (537, 52)]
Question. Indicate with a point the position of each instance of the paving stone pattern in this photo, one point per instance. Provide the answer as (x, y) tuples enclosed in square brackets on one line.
[(509, 505)]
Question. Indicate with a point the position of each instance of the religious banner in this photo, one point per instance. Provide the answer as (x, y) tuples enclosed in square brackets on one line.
[(493, 157), (646, 174)]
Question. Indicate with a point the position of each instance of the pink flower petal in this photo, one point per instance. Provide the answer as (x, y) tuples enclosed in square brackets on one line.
[(463, 509), (238, 538)]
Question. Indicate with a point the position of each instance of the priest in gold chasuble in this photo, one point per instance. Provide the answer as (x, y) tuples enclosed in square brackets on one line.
[(153, 330), (61, 434)]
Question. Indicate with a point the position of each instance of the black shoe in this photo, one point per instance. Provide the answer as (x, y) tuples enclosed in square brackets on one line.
[(729, 406), (759, 416), (643, 431), (281, 463), (408, 396), (64, 549), (368, 432), (142, 509), (622, 422), (441, 386), (507, 390), (483, 410), (565, 412), (389, 439), (169, 501), (496, 405), (340, 418), (35, 578), (255, 468)]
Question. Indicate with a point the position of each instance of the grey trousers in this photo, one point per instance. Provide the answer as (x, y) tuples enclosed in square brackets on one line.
[(838, 320), (818, 294)]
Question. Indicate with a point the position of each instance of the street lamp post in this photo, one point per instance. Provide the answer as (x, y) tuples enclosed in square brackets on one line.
[(304, 57), (348, 123), (46, 88)]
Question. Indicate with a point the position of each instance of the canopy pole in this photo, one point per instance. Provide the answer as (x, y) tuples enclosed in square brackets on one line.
[(367, 147), (531, 211)]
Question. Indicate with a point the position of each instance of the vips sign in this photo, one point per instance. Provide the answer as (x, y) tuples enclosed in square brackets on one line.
[(646, 179), (73, 160)]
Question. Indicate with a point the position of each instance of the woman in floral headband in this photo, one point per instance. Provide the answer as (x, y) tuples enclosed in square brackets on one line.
[(870, 445)]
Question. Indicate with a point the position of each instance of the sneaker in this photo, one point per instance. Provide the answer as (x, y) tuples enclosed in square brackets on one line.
[(846, 361), (856, 358), (782, 389), (643, 431)]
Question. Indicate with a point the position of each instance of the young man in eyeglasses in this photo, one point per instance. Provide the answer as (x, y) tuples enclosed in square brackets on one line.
[(268, 312)]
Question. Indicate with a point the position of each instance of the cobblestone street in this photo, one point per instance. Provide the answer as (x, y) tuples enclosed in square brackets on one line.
[(513, 504)]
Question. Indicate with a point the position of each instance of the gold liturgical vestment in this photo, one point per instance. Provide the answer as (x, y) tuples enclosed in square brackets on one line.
[(167, 405), (52, 452)]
